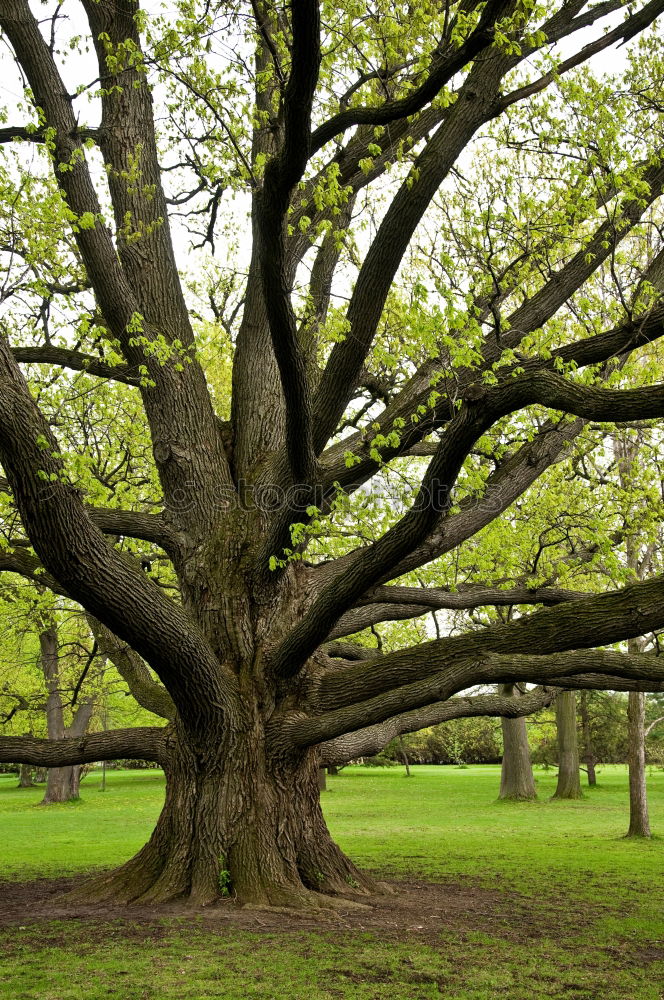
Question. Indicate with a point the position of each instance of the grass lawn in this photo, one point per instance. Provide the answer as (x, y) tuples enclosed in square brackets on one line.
[(529, 901)]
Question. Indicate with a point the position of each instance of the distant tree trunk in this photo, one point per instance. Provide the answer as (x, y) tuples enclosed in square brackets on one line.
[(58, 780), (639, 824), (516, 775), (569, 784), (404, 756), (322, 779), (25, 776), (62, 783), (332, 769), (588, 754)]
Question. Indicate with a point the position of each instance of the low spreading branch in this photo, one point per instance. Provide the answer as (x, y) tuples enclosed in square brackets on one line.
[(373, 739), (578, 625), (147, 743), (446, 674)]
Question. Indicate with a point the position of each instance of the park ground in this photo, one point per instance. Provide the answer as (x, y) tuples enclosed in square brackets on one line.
[(491, 900)]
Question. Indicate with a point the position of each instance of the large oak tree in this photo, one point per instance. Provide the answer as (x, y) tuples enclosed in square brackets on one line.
[(441, 198)]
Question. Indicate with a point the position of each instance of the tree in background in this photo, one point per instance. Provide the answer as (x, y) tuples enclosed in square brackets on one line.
[(569, 780), (54, 681), (639, 561), (639, 821), (516, 774), (62, 783), (454, 256), (588, 757)]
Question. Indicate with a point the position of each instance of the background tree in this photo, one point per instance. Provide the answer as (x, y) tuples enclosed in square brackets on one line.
[(588, 757), (62, 783), (639, 821), (569, 781), (516, 774), (54, 681), (455, 255)]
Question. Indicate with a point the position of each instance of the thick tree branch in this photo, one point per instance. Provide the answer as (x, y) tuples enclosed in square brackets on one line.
[(31, 133), (547, 388), (576, 625), (603, 682), (449, 674), (282, 173), (134, 524), (349, 651), (390, 604), (509, 480), (128, 143), (469, 595), (369, 741), (127, 523), (147, 743), (22, 562)]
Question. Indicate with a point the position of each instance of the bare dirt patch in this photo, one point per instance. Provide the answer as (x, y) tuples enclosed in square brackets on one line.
[(419, 908)]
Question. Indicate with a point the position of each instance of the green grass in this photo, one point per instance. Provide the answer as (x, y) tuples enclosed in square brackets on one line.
[(594, 899), (102, 829), (445, 822)]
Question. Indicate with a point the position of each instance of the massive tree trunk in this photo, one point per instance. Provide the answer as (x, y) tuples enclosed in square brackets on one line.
[(569, 784), (237, 822), (639, 822), (516, 773)]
